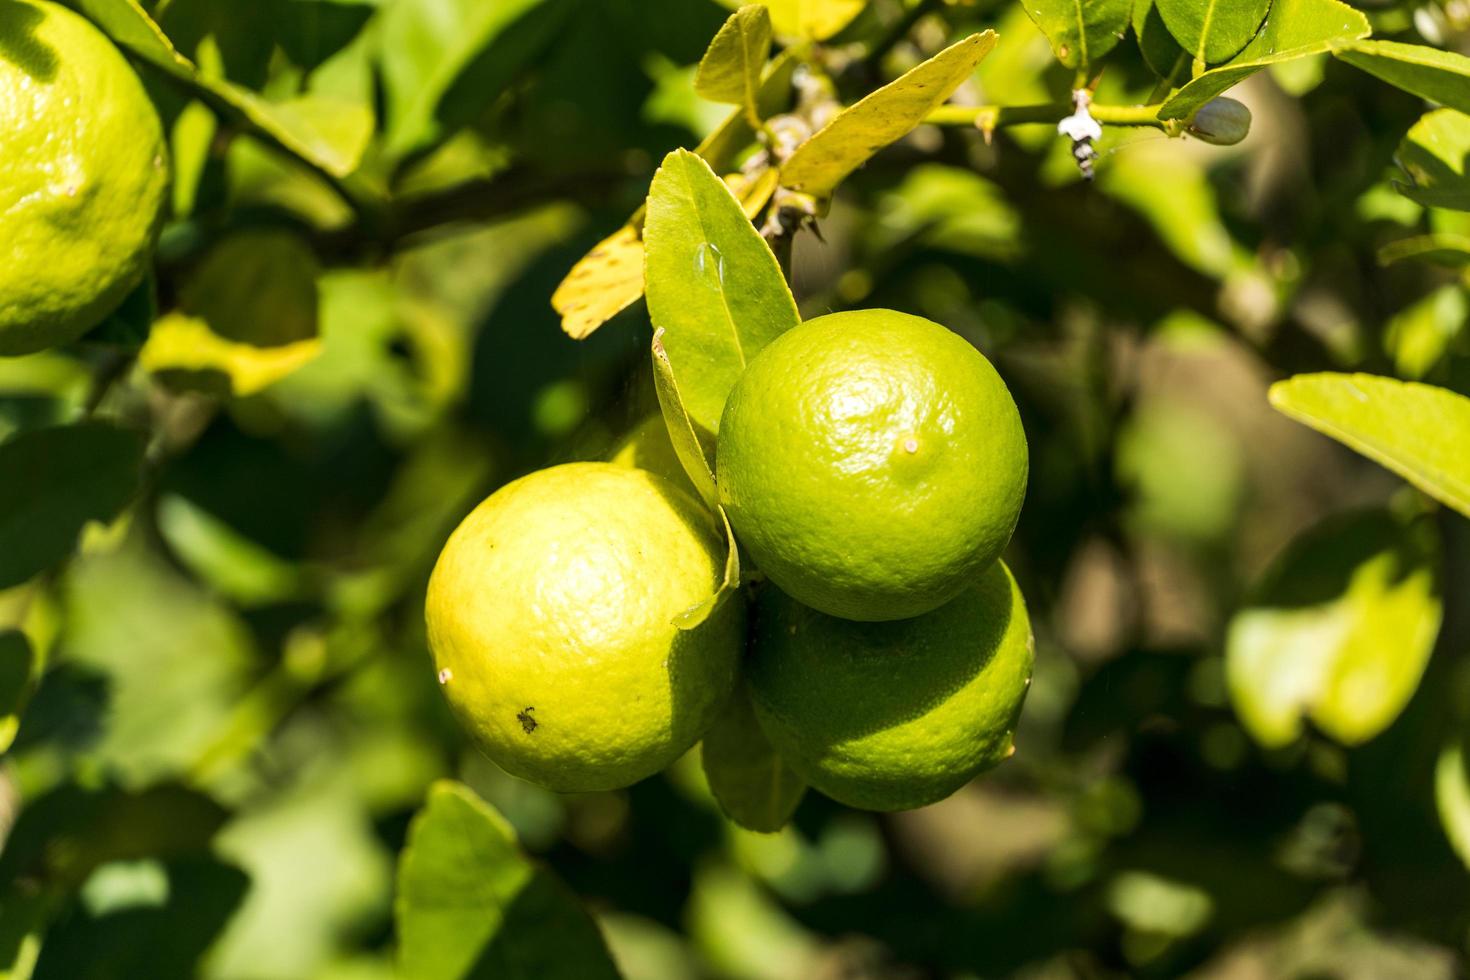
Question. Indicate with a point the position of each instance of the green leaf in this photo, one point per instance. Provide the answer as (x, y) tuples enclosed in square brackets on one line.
[(1418, 431), (17, 664), (753, 785), (443, 60), (56, 480), (172, 660), (1158, 47), (1213, 30), (470, 905), (1440, 248), (328, 133), (712, 283), (862, 129), (1340, 631), (730, 70), (1439, 76), (1436, 156), (1080, 31), (1293, 29), (815, 20)]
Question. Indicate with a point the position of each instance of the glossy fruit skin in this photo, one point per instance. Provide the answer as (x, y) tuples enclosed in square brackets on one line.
[(891, 716), (871, 463), (85, 176), (550, 620)]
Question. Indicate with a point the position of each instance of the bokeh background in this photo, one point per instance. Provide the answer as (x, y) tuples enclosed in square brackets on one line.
[(232, 716)]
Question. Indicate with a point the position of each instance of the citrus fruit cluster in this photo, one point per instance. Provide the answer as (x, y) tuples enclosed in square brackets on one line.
[(872, 465), (85, 176)]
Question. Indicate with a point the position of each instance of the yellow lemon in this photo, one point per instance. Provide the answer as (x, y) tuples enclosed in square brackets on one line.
[(85, 175), (550, 616), (872, 463)]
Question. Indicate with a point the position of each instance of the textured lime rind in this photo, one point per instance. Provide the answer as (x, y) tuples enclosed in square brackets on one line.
[(871, 463), (85, 174), (891, 716), (550, 617)]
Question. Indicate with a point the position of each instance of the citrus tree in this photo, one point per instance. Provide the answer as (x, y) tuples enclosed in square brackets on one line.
[(558, 488)]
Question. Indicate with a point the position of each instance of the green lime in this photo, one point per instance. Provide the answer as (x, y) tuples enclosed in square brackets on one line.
[(890, 716), (871, 463), (85, 175), (550, 616)]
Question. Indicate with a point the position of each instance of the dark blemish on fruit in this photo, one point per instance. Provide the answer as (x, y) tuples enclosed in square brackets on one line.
[(528, 724)]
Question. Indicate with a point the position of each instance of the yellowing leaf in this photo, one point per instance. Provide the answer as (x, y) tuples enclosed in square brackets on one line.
[(1340, 632), (814, 19), (862, 129), (182, 347), (603, 283), (1419, 431)]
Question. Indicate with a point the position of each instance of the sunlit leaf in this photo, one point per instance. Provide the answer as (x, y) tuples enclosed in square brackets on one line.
[(753, 785), (1213, 30), (1418, 431), (862, 129), (1339, 632), (696, 614), (471, 906), (1436, 156), (433, 49), (1439, 248), (247, 318), (188, 354), (1439, 76), (603, 283), (1419, 336), (730, 70), (328, 133), (813, 19), (56, 480), (1293, 29), (694, 453), (713, 284), (1080, 31)]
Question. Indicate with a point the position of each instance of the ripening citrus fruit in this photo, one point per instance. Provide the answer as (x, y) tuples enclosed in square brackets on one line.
[(890, 716), (550, 616), (85, 173), (871, 463)]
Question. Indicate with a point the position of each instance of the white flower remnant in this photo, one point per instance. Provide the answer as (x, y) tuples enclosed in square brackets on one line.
[(1082, 130)]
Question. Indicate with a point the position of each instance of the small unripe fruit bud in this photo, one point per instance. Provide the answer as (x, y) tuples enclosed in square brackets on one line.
[(1221, 121)]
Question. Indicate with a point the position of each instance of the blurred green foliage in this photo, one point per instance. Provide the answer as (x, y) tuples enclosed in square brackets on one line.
[(218, 510)]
